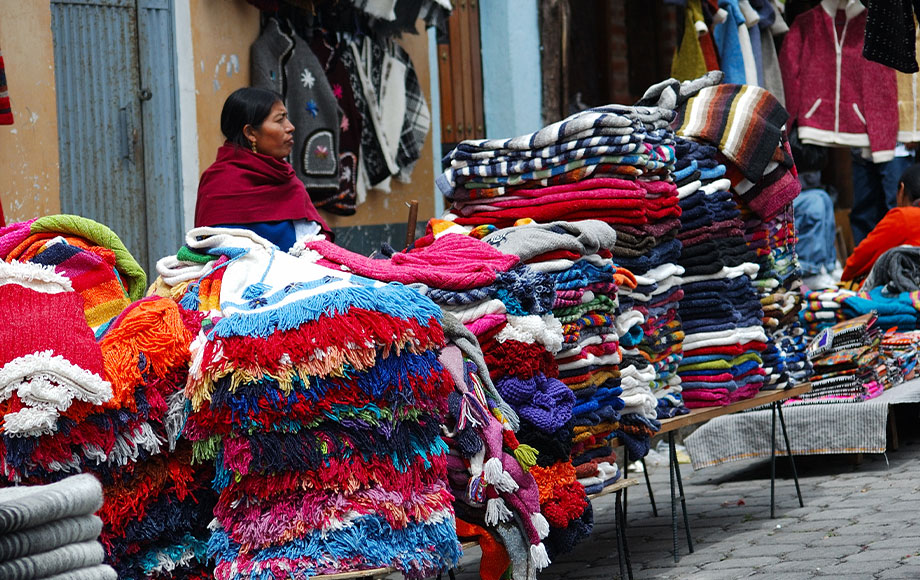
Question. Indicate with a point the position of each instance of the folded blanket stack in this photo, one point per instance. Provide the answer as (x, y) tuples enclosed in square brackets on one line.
[(900, 310), (903, 350), (49, 531), (487, 294), (513, 321), (720, 311), (497, 500), (88, 253), (73, 405), (822, 309), (846, 361), (319, 396), (158, 505), (778, 283)]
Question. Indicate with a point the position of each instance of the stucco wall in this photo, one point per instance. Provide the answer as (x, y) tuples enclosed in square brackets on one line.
[(222, 31), (29, 180)]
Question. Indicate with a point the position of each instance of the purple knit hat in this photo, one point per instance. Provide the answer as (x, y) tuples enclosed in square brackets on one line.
[(544, 401)]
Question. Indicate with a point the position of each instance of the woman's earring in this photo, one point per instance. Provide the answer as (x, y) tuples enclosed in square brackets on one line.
[(253, 143)]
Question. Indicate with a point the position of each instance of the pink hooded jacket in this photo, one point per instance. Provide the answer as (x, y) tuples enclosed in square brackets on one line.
[(833, 93)]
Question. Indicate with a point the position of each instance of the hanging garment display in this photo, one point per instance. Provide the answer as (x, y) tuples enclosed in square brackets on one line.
[(890, 33), (6, 113), (833, 94), (284, 63), (332, 54)]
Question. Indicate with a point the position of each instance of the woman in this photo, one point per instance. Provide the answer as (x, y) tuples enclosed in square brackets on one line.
[(251, 185)]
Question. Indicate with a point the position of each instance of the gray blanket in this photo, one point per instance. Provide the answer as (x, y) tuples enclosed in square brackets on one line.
[(61, 560), (49, 536), (31, 506), (101, 572), (898, 270)]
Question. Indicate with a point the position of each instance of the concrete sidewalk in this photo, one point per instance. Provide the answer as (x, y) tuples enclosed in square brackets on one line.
[(859, 521)]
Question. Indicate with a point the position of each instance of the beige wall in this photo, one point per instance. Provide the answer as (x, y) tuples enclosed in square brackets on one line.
[(29, 180), (222, 31)]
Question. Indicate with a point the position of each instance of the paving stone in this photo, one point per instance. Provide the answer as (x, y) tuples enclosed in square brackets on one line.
[(876, 555), (792, 537), (809, 566), (743, 563), (864, 569), (833, 513), (764, 549)]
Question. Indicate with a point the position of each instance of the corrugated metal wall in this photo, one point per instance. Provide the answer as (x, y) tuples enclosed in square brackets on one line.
[(160, 116), (116, 95)]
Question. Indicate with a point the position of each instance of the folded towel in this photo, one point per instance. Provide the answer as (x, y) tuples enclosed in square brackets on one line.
[(58, 561), (100, 572), (49, 536), (30, 506)]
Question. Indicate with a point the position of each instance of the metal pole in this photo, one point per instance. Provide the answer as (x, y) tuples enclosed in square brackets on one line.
[(795, 475)]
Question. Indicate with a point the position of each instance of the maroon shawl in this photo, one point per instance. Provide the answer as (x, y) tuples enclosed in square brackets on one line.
[(242, 187)]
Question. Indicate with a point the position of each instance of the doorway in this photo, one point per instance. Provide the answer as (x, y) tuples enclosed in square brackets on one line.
[(117, 101)]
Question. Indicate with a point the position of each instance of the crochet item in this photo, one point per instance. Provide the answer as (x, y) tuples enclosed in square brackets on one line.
[(49, 360)]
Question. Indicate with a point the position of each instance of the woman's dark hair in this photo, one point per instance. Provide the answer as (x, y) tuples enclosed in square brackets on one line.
[(246, 106), (911, 180)]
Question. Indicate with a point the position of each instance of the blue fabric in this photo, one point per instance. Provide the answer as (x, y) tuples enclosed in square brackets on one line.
[(875, 190), (816, 228), (279, 233), (728, 44)]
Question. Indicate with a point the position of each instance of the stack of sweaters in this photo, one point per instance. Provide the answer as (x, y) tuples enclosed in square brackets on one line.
[(611, 164), (720, 311), (50, 532), (822, 309), (318, 396), (577, 256), (779, 283)]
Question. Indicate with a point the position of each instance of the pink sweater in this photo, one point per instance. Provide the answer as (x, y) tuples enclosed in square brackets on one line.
[(836, 96)]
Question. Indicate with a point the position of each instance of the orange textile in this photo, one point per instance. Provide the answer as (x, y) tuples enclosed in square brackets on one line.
[(901, 225)]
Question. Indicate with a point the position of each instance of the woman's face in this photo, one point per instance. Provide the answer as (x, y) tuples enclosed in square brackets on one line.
[(276, 135)]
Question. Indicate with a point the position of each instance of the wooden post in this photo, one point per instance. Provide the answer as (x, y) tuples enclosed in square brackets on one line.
[(413, 220)]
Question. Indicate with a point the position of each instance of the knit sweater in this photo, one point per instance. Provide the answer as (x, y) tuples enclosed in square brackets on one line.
[(835, 95)]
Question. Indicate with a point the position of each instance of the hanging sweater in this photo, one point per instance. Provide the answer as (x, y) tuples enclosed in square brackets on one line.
[(909, 106), (835, 95)]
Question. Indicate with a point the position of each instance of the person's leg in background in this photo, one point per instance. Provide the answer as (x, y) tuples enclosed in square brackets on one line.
[(890, 174), (868, 197), (816, 230)]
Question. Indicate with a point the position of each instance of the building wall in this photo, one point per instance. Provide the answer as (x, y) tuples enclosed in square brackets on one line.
[(29, 180), (222, 31), (511, 76)]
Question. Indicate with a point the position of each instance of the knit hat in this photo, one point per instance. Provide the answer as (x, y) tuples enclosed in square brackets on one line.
[(545, 402), (48, 355)]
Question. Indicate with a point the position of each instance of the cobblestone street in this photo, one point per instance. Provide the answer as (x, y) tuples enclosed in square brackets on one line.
[(859, 521)]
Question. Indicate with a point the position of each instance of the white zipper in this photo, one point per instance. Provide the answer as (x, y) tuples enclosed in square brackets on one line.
[(838, 44)]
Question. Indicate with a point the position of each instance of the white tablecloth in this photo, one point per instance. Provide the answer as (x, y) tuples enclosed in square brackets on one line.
[(813, 429)]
